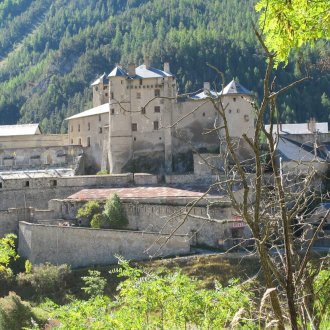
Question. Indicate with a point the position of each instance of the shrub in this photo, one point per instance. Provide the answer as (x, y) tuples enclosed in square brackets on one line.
[(88, 210), (113, 210), (95, 283), (15, 313), (102, 172), (46, 280), (100, 221)]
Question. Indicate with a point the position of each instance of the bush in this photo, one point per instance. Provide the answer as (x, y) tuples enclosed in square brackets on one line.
[(100, 221), (114, 212), (95, 283), (87, 211), (15, 313), (46, 280), (102, 172)]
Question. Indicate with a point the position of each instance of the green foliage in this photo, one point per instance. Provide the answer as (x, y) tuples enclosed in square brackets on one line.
[(28, 266), (322, 293), (114, 213), (46, 280), (102, 172), (95, 283), (159, 301), (88, 210), (289, 25), (15, 314), (100, 221), (7, 254)]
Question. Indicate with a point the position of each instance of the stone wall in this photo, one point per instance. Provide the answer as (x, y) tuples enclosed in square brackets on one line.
[(9, 220), (166, 217), (82, 247)]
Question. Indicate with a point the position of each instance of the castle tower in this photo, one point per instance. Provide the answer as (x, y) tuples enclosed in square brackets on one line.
[(100, 90)]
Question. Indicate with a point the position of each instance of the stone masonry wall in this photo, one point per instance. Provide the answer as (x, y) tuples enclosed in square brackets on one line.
[(82, 247)]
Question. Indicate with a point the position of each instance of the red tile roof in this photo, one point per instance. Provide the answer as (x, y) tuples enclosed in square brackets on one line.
[(136, 192)]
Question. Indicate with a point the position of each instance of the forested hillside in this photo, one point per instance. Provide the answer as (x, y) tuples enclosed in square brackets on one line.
[(51, 50)]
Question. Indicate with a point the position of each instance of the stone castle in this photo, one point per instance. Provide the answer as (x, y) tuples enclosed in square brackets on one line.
[(138, 123)]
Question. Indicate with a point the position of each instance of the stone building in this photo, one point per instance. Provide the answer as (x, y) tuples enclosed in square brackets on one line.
[(139, 123)]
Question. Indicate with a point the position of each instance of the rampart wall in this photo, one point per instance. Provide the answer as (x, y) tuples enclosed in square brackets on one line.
[(82, 247)]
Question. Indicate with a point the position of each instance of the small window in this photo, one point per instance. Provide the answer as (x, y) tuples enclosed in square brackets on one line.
[(71, 141), (160, 138), (157, 92), (100, 130), (79, 141), (157, 108), (134, 138), (229, 110), (78, 127), (111, 96), (71, 128), (100, 118), (121, 82), (89, 126), (140, 81), (134, 127), (234, 99), (112, 111), (143, 110), (238, 110), (106, 94), (96, 88), (138, 95), (105, 87), (0, 185), (53, 183), (27, 183), (88, 141), (203, 114), (156, 125), (246, 117)]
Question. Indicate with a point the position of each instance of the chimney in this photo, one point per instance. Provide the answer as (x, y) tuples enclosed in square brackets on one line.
[(207, 86), (131, 69), (167, 67), (147, 62)]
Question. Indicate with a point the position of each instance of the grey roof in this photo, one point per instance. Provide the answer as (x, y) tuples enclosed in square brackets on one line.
[(234, 87), (102, 79), (302, 128), (104, 108), (118, 72), (141, 71), (205, 94), (23, 129)]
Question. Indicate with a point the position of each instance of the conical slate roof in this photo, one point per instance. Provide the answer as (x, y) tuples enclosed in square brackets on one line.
[(102, 79), (234, 87), (118, 72)]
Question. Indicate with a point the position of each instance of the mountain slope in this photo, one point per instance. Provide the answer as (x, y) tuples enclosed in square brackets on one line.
[(52, 50)]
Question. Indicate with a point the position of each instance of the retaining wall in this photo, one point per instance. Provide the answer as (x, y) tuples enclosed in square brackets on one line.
[(82, 247)]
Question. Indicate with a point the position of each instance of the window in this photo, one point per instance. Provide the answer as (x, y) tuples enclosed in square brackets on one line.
[(203, 114), (246, 117), (140, 81), (234, 99), (238, 111), (134, 138), (0, 185), (89, 126), (134, 127), (71, 128), (112, 111), (88, 141), (157, 108), (229, 110), (106, 94), (78, 127), (27, 183), (138, 95), (71, 141), (156, 125), (111, 96), (100, 130), (100, 118), (161, 101), (79, 141), (105, 87), (96, 88), (53, 183), (143, 110), (157, 92)]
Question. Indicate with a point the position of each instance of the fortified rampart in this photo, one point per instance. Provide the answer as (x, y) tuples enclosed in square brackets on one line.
[(81, 247)]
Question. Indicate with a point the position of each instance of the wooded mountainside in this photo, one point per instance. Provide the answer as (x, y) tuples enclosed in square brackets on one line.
[(51, 51)]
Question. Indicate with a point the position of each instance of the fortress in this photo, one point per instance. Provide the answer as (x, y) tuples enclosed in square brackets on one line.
[(140, 124)]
